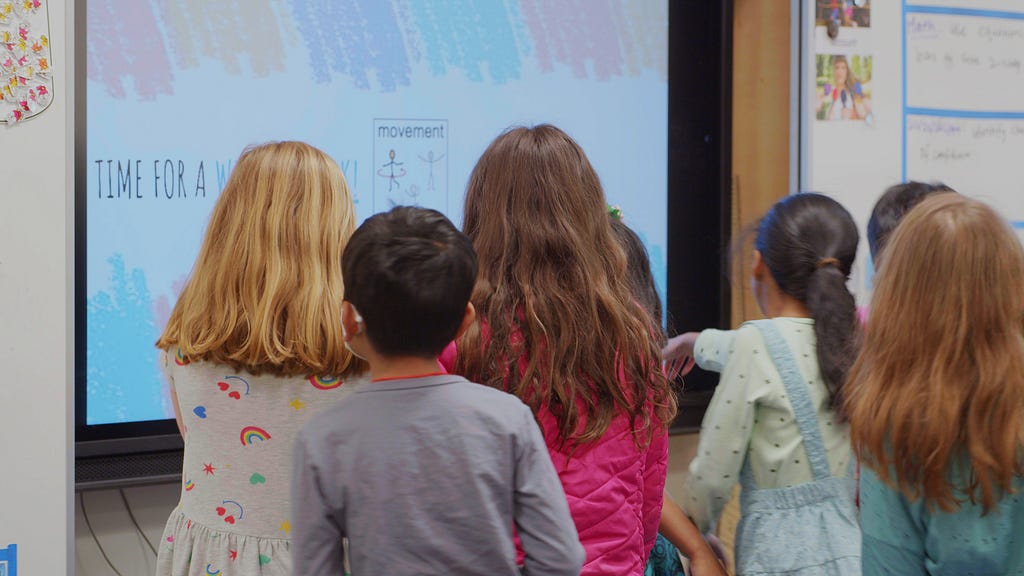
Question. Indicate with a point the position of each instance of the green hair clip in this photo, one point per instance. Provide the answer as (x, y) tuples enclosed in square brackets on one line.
[(615, 212)]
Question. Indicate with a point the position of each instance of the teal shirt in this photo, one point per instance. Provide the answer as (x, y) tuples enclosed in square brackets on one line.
[(905, 538)]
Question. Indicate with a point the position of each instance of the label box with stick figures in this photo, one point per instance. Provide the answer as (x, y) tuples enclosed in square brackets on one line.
[(410, 163)]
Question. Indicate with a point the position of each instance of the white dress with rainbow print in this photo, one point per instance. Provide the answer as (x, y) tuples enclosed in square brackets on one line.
[(234, 514)]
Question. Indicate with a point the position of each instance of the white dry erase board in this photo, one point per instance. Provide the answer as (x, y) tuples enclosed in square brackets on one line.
[(897, 90)]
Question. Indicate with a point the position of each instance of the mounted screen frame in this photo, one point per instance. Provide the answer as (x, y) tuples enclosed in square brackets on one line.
[(699, 180), (698, 214)]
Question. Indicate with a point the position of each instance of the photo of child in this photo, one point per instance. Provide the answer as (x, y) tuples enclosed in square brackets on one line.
[(843, 87), (843, 13)]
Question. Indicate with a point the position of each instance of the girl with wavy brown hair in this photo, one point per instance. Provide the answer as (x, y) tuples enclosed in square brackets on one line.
[(560, 329), (253, 348), (936, 396)]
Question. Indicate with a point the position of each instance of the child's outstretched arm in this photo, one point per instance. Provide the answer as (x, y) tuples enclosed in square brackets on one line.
[(728, 422), (541, 512), (316, 537), (683, 534), (678, 354)]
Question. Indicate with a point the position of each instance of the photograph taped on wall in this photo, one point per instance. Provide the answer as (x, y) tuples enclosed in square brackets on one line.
[(842, 26), (843, 87), (26, 79), (843, 13)]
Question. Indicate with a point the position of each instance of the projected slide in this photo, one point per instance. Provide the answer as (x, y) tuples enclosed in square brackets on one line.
[(403, 94)]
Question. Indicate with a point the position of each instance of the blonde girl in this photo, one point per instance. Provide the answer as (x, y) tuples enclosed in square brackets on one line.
[(560, 328), (252, 349), (936, 400)]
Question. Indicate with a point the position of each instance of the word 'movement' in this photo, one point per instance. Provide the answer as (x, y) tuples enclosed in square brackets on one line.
[(410, 132)]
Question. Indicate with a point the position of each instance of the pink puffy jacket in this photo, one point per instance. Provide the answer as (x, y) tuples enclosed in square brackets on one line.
[(614, 488)]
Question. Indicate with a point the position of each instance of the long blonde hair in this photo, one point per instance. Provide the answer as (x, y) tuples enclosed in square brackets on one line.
[(939, 382), (265, 292), (553, 292)]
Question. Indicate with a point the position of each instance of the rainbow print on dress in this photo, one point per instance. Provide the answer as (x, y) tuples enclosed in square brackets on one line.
[(251, 434), (325, 382)]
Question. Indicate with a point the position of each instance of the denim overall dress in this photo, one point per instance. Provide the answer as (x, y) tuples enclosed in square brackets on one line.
[(808, 529)]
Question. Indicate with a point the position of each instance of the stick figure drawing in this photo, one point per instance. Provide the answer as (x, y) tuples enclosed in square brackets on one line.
[(392, 171)]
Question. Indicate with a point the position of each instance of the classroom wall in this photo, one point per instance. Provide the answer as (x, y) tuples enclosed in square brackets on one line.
[(124, 545), (36, 402), (761, 113)]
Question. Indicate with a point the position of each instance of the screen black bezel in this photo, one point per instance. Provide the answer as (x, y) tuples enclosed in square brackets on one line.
[(99, 440), (699, 182)]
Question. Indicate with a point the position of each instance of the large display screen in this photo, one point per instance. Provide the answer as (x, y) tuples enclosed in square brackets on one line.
[(403, 94)]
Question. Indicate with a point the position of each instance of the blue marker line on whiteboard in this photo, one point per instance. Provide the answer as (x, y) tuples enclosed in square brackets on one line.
[(903, 116), (974, 114), (951, 11)]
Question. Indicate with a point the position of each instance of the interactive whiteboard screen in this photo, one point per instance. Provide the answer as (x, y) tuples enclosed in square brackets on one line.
[(403, 94)]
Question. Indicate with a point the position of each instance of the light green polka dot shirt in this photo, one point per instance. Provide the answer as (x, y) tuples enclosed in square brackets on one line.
[(750, 418)]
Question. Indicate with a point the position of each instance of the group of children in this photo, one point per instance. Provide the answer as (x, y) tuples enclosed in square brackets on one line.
[(408, 398)]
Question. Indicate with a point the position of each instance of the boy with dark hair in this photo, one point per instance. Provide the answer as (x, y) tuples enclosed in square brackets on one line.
[(422, 472), (892, 207)]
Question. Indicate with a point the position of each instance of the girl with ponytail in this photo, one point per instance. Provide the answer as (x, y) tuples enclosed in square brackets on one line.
[(774, 423)]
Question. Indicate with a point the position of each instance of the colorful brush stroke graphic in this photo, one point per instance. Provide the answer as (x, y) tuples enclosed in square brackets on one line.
[(138, 47), (122, 379)]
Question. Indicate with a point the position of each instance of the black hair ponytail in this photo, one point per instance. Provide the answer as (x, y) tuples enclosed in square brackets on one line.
[(835, 326), (808, 243)]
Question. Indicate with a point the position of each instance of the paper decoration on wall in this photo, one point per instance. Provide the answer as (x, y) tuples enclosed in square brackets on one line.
[(26, 80), (9, 560)]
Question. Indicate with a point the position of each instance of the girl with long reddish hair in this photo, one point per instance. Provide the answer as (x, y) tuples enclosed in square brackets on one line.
[(936, 396), (560, 329)]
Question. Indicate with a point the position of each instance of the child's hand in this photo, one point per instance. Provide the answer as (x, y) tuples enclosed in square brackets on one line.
[(679, 346), (678, 353), (679, 367), (718, 549)]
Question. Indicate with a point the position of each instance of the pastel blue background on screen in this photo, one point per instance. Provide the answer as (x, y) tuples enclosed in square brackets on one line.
[(141, 250)]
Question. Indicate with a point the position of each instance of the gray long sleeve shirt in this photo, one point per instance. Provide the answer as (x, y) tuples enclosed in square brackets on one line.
[(428, 476)]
